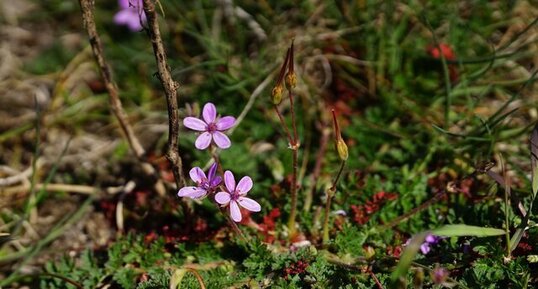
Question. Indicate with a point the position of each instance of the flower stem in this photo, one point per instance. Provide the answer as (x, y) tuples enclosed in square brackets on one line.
[(330, 194), (294, 147), (283, 123)]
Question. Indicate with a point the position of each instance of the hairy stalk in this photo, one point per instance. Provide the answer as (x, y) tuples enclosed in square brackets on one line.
[(291, 82), (112, 89), (506, 206), (330, 194), (325, 132), (283, 123), (170, 87)]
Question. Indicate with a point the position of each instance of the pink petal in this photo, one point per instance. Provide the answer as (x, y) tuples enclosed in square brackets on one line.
[(235, 212), (209, 112), (229, 180), (225, 123), (191, 192), (195, 123), (249, 204), (134, 23), (122, 17), (197, 174), (244, 185), (222, 198), (203, 141), (221, 140), (124, 4)]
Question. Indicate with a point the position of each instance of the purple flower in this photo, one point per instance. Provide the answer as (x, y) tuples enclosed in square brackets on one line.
[(130, 14), (211, 127), (235, 196), (439, 275), (204, 184), (429, 240)]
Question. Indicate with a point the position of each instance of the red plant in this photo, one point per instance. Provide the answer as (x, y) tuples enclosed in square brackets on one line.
[(361, 213), (448, 53), (295, 268), (267, 228)]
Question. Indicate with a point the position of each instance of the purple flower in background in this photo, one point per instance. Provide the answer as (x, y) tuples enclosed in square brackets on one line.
[(429, 240), (130, 15), (211, 128), (204, 184), (439, 275), (235, 196)]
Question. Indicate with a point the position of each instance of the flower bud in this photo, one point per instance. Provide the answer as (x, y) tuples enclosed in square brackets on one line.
[(276, 94), (341, 147), (291, 80)]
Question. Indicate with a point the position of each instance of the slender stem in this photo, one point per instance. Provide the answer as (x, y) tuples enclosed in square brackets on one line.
[(317, 168), (232, 223), (506, 222), (283, 123), (330, 194), (294, 150), (112, 89), (170, 87)]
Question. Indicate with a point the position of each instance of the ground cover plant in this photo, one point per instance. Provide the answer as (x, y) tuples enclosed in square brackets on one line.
[(268, 144)]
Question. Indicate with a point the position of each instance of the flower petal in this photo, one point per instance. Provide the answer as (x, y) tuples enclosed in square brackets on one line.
[(203, 141), (195, 123), (134, 22), (221, 140), (225, 123), (122, 17), (222, 198), (211, 172), (192, 192), (215, 181), (229, 180), (244, 185), (235, 212), (124, 4), (197, 174), (209, 112), (249, 204)]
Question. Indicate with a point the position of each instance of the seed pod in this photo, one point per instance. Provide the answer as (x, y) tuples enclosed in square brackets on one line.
[(291, 80), (341, 147), (276, 94)]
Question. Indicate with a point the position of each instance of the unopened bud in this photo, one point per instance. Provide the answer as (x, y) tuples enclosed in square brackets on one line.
[(291, 80), (276, 94), (341, 147)]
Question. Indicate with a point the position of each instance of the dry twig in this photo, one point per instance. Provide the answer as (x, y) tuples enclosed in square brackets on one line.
[(170, 87), (112, 89)]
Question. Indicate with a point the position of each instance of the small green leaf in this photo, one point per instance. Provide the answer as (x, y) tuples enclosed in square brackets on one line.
[(466, 230)]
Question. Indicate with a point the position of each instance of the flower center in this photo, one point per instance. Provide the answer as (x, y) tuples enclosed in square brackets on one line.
[(204, 184), (212, 127), (234, 195)]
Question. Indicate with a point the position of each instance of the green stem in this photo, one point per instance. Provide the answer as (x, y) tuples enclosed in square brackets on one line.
[(330, 194)]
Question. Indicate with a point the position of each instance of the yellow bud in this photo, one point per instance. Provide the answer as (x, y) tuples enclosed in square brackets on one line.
[(341, 147), (291, 80), (276, 94)]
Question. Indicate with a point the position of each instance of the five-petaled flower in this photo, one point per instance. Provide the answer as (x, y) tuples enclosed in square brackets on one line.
[(235, 196), (130, 15), (211, 128), (204, 184)]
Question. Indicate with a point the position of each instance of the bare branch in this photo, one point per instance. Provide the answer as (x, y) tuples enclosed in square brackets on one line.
[(115, 102), (170, 90)]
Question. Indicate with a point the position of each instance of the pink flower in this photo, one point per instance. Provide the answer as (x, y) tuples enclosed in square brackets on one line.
[(235, 196), (205, 184), (131, 14), (211, 128)]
